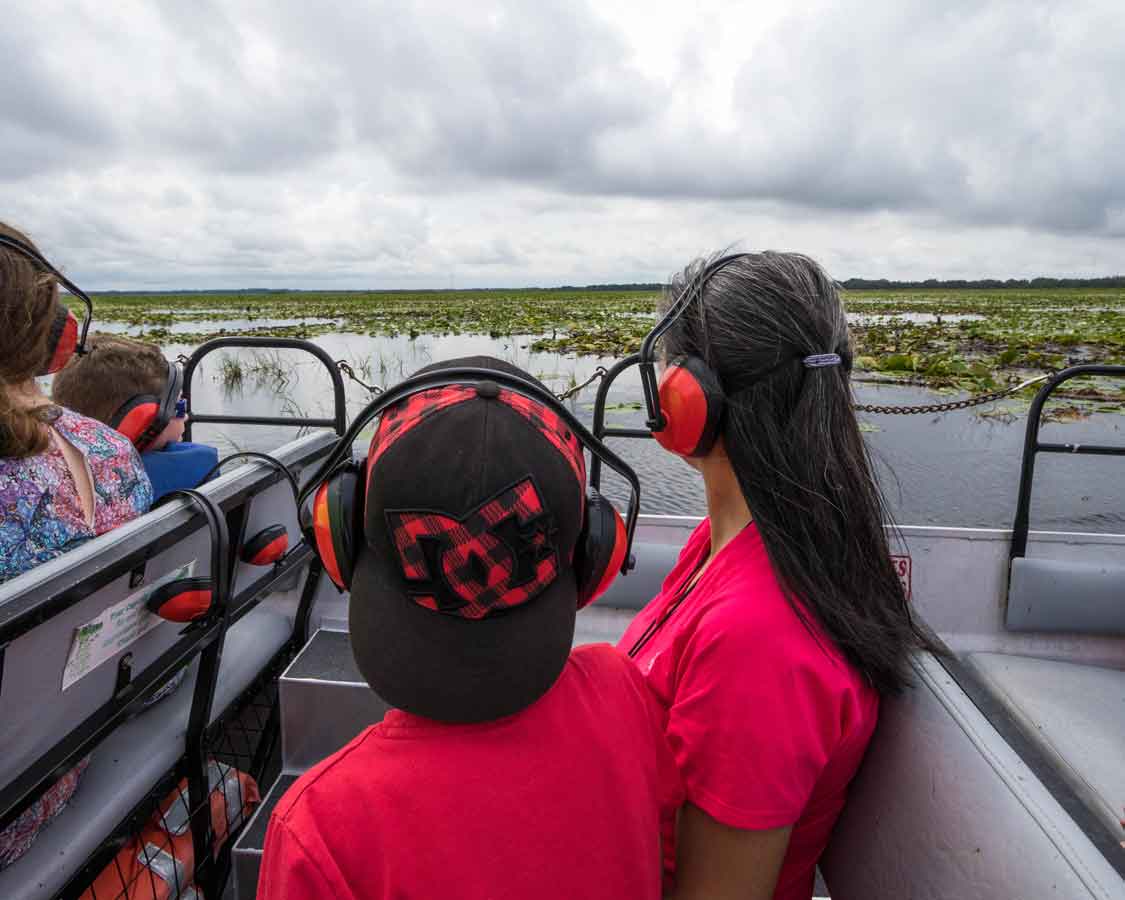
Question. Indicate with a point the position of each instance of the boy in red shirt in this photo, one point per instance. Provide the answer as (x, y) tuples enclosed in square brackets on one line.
[(511, 766)]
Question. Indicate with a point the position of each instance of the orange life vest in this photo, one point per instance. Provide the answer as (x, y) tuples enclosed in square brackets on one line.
[(159, 862)]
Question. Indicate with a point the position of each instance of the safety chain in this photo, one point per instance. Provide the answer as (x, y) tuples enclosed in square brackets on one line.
[(347, 370), (599, 372), (967, 403), (344, 366)]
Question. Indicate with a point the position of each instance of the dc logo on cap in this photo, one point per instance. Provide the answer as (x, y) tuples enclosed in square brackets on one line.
[(497, 556)]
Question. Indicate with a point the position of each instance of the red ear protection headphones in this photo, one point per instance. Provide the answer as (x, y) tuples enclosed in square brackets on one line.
[(685, 409), (188, 599), (66, 338), (62, 341), (339, 488), (142, 417), (269, 545)]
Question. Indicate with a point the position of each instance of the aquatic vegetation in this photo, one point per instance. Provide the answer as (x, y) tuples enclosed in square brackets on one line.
[(955, 340), (231, 373)]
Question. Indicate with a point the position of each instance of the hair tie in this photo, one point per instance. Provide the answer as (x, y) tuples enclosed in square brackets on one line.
[(822, 360)]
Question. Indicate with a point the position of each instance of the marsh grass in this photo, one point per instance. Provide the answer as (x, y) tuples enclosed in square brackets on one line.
[(231, 373), (963, 340)]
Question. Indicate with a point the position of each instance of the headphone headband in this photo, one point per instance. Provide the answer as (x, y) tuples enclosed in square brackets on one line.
[(471, 375), (10, 243), (173, 387), (276, 464), (165, 407), (220, 538), (172, 390), (693, 290)]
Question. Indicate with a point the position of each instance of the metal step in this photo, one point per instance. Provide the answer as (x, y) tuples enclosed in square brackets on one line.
[(246, 856), (324, 701)]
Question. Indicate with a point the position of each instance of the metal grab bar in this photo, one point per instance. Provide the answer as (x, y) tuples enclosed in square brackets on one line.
[(1032, 446), (599, 427), (339, 420)]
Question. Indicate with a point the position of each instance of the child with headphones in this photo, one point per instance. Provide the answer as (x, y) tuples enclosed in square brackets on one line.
[(131, 386), (511, 766)]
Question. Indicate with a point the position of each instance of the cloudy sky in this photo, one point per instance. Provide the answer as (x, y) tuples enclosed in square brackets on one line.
[(397, 144)]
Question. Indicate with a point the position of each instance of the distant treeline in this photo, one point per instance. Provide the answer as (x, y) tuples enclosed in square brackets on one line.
[(855, 284), (879, 284)]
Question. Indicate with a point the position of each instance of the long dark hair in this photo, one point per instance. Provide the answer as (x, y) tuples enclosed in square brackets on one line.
[(795, 446)]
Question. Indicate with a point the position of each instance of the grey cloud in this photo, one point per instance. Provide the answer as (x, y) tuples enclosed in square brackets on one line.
[(45, 117), (208, 142), (503, 90), (87, 85), (1001, 113), (998, 113)]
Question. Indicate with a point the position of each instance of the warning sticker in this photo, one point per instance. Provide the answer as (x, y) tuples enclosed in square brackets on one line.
[(115, 629), (902, 569)]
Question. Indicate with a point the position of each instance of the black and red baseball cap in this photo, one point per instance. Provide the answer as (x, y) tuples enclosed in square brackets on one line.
[(463, 600)]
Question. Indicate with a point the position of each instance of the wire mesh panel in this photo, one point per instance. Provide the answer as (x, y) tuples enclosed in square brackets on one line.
[(247, 735), (158, 862), (151, 856)]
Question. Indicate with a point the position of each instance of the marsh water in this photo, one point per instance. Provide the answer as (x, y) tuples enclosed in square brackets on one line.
[(958, 468)]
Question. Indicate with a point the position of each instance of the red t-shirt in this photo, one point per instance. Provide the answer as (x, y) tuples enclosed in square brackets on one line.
[(768, 724), (561, 800)]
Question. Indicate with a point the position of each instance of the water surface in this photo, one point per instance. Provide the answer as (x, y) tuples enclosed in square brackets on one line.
[(954, 468)]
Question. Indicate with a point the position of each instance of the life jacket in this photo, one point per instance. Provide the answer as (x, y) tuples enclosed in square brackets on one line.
[(159, 862)]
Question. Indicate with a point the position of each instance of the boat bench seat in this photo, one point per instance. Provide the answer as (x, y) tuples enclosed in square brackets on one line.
[(943, 807), (42, 610), (1076, 713), (1066, 596), (125, 766)]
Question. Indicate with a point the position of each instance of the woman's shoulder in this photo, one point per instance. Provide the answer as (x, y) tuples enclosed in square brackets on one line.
[(740, 593), (123, 487), (92, 437), (749, 614), (24, 473)]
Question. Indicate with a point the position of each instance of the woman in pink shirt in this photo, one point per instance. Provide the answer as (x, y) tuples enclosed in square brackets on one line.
[(783, 620)]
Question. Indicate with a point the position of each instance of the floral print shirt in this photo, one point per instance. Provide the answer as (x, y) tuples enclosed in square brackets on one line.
[(41, 514)]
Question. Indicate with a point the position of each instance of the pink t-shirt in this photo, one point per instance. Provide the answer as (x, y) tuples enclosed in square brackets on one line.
[(767, 722)]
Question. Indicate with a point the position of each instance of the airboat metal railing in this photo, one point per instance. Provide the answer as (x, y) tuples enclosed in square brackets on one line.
[(24, 611), (339, 420), (600, 429), (1032, 446)]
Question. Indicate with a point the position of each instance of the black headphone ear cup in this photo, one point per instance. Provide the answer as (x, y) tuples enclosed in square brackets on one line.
[(691, 400), (336, 509), (601, 549)]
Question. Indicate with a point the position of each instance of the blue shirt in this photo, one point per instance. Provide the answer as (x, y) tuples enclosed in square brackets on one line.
[(179, 465)]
